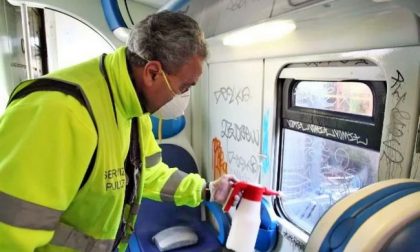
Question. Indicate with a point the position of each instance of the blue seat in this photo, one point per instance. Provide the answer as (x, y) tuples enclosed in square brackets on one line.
[(155, 216), (384, 216), (169, 127)]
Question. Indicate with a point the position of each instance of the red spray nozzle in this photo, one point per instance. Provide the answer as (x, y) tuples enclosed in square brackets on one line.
[(249, 191)]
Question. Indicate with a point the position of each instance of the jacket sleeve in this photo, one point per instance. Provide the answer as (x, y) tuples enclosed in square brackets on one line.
[(46, 144), (162, 183)]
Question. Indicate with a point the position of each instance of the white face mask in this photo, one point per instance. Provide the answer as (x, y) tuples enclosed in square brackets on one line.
[(175, 107)]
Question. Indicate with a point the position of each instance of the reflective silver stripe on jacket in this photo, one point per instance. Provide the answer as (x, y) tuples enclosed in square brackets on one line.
[(153, 159), (67, 236), (168, 191), (20, 213)]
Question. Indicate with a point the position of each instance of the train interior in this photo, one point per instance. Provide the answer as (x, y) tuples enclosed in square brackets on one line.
[(318, 99)]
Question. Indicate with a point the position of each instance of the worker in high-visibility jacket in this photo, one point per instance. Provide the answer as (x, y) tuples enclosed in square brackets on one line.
[(64, 185)]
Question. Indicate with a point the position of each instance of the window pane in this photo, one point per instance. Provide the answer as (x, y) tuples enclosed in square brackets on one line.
[(317, 172), (347, 97)]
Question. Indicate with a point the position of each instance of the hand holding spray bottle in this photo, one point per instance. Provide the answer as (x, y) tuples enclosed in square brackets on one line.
[(246, 220)]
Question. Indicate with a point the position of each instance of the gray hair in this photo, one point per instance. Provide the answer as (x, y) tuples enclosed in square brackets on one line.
[(169, 37)]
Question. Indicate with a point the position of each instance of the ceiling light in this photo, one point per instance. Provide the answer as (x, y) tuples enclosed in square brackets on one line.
[(263, 32)]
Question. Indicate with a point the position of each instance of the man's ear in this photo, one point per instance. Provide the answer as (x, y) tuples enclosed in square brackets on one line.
[(152, 69)]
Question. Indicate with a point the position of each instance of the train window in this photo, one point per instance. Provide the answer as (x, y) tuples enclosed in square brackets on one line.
[(317, 172), (348, 97), (329, 139)]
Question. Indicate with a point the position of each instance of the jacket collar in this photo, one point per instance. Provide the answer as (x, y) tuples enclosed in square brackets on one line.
[(126, 99)]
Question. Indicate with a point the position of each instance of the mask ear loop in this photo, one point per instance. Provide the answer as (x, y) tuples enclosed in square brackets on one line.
[(167, 83)]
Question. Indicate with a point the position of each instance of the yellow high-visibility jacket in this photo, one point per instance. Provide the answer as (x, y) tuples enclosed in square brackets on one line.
[(47, 140)]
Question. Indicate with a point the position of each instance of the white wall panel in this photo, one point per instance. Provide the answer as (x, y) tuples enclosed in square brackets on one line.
[(70, 41), (235, 100)]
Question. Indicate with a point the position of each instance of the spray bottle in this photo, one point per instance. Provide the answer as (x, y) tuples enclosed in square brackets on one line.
[(246, 220)]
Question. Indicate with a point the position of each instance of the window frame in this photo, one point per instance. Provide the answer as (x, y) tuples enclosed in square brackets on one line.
[(363, 126)]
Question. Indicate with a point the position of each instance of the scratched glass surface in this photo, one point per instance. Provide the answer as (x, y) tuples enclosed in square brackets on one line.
[(317, 172), (346, 97)]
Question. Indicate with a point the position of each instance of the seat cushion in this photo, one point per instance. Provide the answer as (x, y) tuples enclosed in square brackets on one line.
[(155, 216)]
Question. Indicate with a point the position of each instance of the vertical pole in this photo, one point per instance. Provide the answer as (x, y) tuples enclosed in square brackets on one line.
[(26, 39)]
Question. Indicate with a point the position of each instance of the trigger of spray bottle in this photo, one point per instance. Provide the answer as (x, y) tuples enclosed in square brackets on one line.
[(236, 188), (240, 186)]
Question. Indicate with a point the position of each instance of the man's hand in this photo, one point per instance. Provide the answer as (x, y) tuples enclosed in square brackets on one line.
[(220, 188)]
